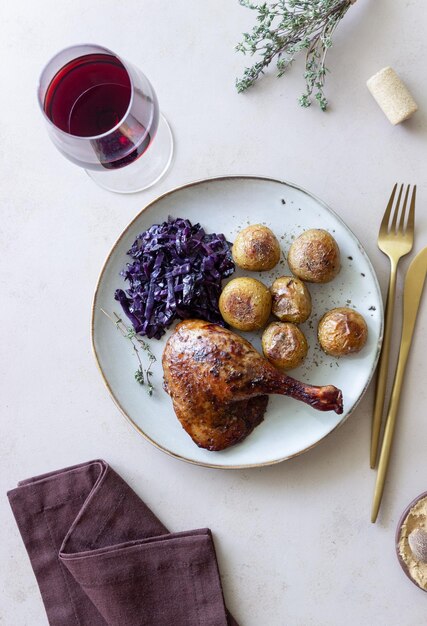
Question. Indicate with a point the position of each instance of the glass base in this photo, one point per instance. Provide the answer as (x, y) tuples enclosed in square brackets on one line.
[(145, 171)]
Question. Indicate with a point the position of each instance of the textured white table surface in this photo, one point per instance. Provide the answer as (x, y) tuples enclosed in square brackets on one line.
[(294, 541)]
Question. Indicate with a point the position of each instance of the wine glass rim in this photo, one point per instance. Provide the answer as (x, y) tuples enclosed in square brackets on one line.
[(41, 103)]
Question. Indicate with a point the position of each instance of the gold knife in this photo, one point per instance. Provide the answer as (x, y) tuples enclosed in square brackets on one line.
[(413, 289)]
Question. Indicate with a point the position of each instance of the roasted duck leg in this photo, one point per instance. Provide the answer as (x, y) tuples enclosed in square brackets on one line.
[(219, 384)]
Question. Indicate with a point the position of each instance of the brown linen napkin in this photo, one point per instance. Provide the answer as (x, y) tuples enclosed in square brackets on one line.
[(101, 557)]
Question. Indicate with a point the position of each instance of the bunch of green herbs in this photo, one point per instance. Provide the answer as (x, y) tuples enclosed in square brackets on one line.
[(284, 29)]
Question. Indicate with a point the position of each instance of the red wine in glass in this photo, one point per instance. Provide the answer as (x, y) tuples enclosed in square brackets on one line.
[(89, 97), (103, 115)]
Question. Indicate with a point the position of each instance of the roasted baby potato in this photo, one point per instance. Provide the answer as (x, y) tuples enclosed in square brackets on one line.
[(284, 345), (314, 256), (256, 249), (245, 304), (291, 300), (342, 331)]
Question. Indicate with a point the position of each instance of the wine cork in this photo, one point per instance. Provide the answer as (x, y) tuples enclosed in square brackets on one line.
[(392, 95)]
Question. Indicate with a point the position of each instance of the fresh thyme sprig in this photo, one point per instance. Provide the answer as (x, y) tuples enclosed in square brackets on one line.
[(283, 29), (143, 374)]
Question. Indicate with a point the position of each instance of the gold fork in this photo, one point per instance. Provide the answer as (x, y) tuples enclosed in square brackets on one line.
[(395, 239)]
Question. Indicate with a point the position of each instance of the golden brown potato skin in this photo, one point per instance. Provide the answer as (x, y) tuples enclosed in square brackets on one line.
[(342, 331), (291, 300), (284, 345), (245, 304), (256, 249), (314, 256)]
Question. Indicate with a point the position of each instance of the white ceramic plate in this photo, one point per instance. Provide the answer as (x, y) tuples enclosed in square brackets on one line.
[(227, 205)]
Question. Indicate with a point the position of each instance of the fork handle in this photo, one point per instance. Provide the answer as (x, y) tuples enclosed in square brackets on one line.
[(389, 432), (383, 364)]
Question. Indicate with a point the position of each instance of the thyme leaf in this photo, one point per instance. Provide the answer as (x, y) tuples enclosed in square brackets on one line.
[(144, 373)]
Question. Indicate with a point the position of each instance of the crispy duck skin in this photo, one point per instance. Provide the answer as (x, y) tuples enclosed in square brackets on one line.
[(219, 384)]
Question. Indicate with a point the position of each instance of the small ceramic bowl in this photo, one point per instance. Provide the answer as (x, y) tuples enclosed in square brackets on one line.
[(398, 531)]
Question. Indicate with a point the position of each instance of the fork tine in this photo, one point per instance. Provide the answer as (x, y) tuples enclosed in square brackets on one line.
[(400, 228), (411, 216), (393, 224), (386, 216)]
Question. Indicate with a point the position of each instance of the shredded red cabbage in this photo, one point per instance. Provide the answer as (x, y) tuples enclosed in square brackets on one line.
[(176, 273)]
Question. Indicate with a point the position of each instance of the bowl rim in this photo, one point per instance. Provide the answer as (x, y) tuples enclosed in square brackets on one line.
[(397, 537)]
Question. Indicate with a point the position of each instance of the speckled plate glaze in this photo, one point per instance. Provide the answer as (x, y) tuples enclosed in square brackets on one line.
[(227, 205)]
